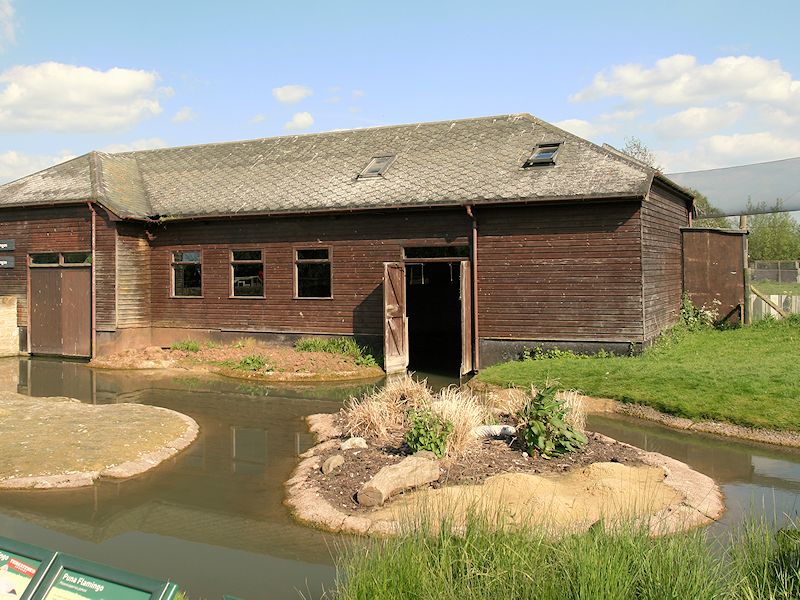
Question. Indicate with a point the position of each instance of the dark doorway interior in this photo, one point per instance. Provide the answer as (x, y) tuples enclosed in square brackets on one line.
[(433, 304)]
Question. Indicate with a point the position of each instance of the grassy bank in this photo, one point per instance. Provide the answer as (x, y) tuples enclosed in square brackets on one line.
[(744, 376), (602, 566)]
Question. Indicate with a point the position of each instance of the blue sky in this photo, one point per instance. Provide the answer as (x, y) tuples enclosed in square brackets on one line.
[(704, 83)]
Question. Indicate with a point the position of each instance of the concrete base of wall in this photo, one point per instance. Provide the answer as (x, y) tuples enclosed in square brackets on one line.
[(494, 351), (109, 342), (9, 332)]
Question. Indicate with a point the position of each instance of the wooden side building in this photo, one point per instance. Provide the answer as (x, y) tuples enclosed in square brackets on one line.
[(451, 244)]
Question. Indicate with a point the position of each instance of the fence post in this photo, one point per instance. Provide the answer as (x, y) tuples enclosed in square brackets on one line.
[(747, 317)]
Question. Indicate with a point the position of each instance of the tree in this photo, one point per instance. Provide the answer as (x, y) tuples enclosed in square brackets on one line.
[(636, 148), (773, 235), (709, 215)]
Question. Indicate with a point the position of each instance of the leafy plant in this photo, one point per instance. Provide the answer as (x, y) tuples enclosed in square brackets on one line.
[(543, 428), (428, 432), (695, 318), (253, 362), (186, 346)]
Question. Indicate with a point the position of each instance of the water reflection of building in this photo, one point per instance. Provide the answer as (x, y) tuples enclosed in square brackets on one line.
[(225, 490)]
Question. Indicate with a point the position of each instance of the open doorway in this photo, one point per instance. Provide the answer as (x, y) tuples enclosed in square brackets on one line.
[(433, 297)]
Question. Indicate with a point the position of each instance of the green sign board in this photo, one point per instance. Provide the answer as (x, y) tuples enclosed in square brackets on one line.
[(22, 567), (71, 578), (74, 585), (31, 573)]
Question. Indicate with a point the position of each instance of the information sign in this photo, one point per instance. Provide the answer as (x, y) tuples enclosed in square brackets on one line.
[(22, 567), (6, 262), (71, 578), (6, 245)]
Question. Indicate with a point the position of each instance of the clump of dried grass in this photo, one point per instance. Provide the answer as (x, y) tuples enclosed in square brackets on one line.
[(576, 415), (381, 413), (465, 411)]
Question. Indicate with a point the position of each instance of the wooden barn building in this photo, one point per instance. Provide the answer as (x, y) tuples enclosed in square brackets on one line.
[(443, 244)]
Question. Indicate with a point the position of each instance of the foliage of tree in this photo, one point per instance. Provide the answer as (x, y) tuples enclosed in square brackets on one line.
[(773, 235), (709, 215), (636, 148)]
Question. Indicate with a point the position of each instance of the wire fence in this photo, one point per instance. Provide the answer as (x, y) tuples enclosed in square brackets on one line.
[(775, 289)]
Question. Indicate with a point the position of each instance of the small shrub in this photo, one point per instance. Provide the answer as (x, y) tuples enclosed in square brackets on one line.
[(543, 427), (695, 318), (428, 431), (253, 362), (539, 353), (186, 346)]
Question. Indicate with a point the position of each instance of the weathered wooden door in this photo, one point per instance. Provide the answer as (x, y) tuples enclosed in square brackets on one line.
[(395, 321), (466, 318), (61, 311)]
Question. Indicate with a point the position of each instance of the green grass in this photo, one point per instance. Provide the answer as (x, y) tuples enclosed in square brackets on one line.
[(340, 345), (773, 287), (251, 362), (597, 565), (745, 376), (186, 346)]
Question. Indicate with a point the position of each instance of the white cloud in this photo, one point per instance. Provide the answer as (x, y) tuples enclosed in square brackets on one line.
[(8, 24), (680, 79), (142, 144), (290, 94), (729, 150), (733, 110), (255, 119), (583, 128), (14, 165), (301, 120), (697, 121), (358, 94), (184, 114), (58, 97), (333, 100)]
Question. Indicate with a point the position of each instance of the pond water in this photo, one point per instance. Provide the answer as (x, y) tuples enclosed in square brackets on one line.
[(212, 519)]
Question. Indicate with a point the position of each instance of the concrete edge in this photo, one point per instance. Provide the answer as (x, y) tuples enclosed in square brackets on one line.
[(701, 498), (127, 469)]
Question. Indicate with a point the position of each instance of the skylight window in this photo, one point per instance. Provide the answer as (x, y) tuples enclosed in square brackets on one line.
[(543, 154), (376, 167)]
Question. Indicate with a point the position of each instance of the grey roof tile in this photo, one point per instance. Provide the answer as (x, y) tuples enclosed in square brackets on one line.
[(442, 163)]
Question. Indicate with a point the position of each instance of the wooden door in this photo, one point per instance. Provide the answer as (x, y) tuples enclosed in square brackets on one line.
[(61, 311), (466, 319), (395, 321), (45, 317)]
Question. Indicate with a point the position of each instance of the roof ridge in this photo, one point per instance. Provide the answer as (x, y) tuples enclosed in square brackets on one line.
[(319, 134)]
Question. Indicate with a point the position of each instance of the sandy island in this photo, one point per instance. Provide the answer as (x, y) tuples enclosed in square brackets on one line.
[(61, 442), (659, 492)]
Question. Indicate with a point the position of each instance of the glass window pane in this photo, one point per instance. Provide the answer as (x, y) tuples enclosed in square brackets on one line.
[(314, 280), (316, 254), (247, 255), (48, 258), (187, 280), (248, 280), (437, 252), (77, 258), (188, 257)]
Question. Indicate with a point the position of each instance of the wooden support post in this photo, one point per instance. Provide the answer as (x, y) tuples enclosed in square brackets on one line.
[(747, 317)]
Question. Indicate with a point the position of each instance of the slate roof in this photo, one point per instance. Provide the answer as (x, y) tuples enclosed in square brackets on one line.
[(445, 163)]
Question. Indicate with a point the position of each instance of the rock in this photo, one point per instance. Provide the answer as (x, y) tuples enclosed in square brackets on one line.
[(332, 463), (354, 442), (408, 473), (426, 454)]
